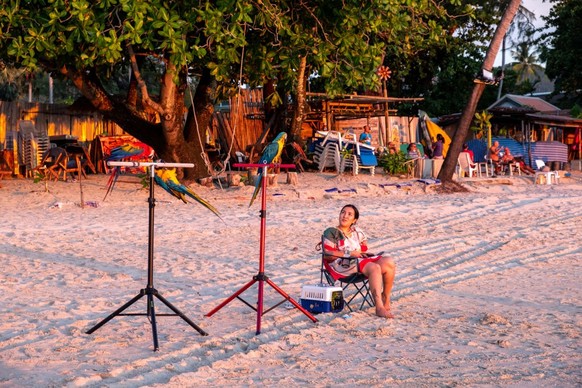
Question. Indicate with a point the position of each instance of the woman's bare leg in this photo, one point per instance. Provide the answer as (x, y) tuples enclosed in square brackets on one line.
[(373, 272), (388, 273)]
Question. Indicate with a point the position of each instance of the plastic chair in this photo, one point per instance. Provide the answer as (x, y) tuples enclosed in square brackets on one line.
[(514, 167), (356, 285), (548, 175), (466, 166), (484, 165)]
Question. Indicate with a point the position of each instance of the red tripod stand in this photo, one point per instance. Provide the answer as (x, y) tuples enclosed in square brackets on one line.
[(261, 277)]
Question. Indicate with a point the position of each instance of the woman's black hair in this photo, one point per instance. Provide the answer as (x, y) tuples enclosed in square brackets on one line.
[(356, 211)]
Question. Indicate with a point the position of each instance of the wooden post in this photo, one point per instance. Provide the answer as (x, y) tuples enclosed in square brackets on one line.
[(272, 180), (292, 178), (387, 134)]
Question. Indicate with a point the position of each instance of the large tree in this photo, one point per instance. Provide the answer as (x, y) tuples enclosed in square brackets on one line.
[(211, 47), (450, 162), (218, 44), (562, 46)]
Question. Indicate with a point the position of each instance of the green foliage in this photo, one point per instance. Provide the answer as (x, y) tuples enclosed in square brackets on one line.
[(527, 68), (91, 43), (346, 153), (41, 177), (482, 125), (393, 164), (561, 46), (38, 176), (576, 111), (345, 45)]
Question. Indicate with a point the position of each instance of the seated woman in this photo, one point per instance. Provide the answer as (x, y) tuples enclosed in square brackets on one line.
[(344, 248), (506, 159), (507, 156), (413, 152), (467, 150)]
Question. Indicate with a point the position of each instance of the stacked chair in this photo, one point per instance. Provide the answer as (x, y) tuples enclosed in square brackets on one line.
[(32, 144), (327, 153)]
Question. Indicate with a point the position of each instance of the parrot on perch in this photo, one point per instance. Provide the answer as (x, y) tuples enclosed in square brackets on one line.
[(167, 179), (271, 154)]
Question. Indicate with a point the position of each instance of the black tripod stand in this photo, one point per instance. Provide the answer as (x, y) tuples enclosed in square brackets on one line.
[(149, 291)]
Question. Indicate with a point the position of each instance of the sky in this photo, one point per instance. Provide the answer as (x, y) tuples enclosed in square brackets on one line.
[(540, 8)]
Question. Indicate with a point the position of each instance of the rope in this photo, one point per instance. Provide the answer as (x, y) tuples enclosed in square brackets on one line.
[(203, 154)]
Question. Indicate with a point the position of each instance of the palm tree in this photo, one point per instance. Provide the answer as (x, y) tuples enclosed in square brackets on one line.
[(523, 24), (446, 173), (526, 67)]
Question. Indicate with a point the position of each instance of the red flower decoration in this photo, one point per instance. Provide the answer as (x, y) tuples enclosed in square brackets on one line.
[(384, 72)]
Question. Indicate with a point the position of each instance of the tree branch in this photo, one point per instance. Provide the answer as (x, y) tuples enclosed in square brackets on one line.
[(145, 97)]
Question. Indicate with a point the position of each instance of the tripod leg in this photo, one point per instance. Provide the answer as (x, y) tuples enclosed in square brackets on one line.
[(230, 298), (152, 315), (180, 314), (293, 302), (259, 306), (116, 312)]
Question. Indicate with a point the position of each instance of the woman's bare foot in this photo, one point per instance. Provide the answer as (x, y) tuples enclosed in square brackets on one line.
[(384, 313)]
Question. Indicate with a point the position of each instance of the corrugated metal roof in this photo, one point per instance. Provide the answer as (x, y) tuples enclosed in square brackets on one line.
[(561, 120), (516, 101)]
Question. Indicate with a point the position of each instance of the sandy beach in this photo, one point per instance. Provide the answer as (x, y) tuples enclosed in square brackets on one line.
[(487, 291)]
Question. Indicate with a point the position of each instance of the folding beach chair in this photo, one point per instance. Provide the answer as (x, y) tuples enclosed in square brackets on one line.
[(355, 286)]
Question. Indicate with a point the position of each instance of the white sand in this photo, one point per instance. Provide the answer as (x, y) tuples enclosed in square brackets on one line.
[(487, 291)]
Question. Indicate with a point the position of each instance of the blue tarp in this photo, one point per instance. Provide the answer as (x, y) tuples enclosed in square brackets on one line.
[(548, 151), (516, 148)]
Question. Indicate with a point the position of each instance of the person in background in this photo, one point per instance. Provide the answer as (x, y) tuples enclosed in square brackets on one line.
[(524, 167), (366, 136), (413, 152), (494, 156), (467, 150), (437, 148), (507, 156), (392, 148)]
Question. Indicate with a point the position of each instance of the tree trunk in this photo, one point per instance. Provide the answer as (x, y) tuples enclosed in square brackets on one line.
[(172, 139), (300, 101), (197, 122), (448, 169)]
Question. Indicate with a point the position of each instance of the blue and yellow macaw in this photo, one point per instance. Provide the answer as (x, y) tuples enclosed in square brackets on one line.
[(166, 178), (128, 151), (271, 154)]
